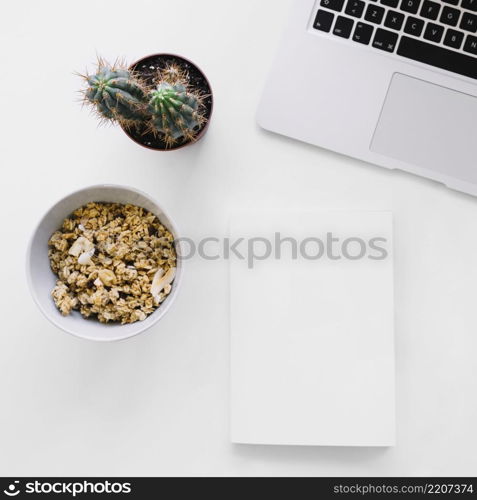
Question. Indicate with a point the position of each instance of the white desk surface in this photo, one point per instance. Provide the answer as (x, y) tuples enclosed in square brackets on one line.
[(159, 404)]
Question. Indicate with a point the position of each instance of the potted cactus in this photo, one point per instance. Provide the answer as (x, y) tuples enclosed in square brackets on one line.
[(162, 102)]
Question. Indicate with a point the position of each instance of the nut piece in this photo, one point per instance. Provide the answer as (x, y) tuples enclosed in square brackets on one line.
[(161, 281), (79, 246), (107, 277), (156, 281), (85, 258)]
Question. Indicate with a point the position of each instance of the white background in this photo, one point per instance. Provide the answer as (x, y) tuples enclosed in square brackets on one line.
[(158, 404)]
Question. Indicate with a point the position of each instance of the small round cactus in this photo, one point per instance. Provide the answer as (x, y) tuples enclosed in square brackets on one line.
[(116, 95), (174, 112)]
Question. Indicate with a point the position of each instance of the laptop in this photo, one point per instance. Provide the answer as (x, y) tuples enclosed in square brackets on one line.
[(391, 82)]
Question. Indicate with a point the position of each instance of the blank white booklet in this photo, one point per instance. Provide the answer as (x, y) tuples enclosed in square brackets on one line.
[(312, 328)]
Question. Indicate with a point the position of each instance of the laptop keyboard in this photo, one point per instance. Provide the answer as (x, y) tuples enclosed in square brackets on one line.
[(439, 33)]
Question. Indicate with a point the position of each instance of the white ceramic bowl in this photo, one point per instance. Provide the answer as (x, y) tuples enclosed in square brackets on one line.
[(42, 279)]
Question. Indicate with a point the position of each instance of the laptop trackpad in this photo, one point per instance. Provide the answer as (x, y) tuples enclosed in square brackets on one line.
[(429, 126)]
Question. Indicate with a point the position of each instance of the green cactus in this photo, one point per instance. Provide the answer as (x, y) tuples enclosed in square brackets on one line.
[(164, 104), (116, 95), (174, 112)]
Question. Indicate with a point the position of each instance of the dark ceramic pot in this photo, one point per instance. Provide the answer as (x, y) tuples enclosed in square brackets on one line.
[(146, 68)]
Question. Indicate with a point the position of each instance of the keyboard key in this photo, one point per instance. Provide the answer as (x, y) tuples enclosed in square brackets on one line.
[(385, 40), (411, 6), (471, 46), (333, 4), (343, 27), (450, 16), (394, 20), (363, 33), (433, 32), (469, 22), (374, 14), (439, 57), (430, 10), (390, 3), (355, 8), (323, 21), (414, 26), (453, 2), (470, 5), (454, 38)]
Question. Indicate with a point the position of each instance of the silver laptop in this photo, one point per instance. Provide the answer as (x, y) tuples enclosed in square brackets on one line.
[(392, 82)]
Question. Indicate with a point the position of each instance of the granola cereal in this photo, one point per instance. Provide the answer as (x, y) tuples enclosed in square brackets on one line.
[(114, 262)]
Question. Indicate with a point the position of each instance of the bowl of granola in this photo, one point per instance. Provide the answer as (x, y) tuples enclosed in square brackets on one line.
[(103, 263)]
